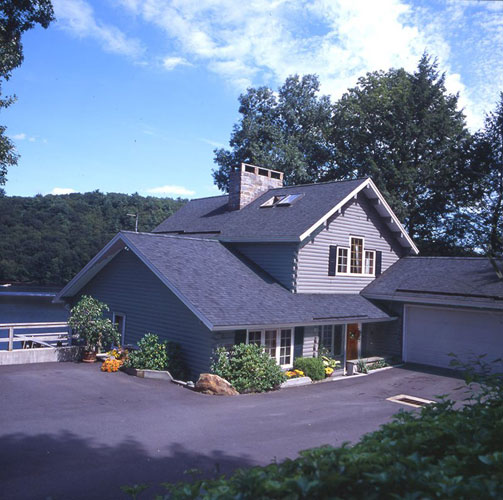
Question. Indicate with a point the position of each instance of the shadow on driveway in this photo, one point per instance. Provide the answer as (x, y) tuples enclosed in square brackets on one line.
[(90, 470)]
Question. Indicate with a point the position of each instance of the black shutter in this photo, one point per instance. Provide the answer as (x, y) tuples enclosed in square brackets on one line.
[(298, 342), (332, 258), (378, 263), (240, 337)]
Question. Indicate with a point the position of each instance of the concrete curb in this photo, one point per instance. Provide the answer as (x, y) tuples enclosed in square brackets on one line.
[(156, 374), (295, 382)]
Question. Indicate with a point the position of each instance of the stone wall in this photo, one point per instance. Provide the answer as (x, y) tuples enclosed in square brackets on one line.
[(249, 182)]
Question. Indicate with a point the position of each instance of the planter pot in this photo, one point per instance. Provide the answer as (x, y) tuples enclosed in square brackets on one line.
[(89, 357)]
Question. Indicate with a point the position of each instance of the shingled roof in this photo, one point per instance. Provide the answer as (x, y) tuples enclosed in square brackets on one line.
[(445, 280), (211, 217), (252, 221), (225, 290)]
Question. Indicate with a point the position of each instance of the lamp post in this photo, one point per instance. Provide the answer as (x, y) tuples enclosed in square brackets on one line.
[(136, 221)]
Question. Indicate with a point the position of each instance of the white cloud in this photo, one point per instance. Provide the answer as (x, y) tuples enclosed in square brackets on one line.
[(171, 63), (170, 189), (58, 190), (77, 16), (18, 137), (215, 144), (264, 41)]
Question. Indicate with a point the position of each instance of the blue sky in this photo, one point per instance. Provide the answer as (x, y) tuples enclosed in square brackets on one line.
[(133, 96)]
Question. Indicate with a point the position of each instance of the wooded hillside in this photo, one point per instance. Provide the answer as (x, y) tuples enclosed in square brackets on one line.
[(48, 239)]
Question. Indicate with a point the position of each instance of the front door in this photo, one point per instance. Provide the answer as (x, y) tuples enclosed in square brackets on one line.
[(352, 337)]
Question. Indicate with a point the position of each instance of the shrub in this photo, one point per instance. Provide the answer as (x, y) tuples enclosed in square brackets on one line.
[(441, 452), (153, 354), (248, 368), (312, 367), (87, 321)]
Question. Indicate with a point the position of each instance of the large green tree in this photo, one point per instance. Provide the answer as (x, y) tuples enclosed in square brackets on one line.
[(402, 129), (406, 132), (486, 214), (16, 17), (285, 131)]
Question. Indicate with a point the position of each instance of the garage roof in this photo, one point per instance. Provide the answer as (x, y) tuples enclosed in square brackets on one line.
[(459, 281)]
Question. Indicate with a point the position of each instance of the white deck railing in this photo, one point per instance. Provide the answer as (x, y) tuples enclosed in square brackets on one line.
[(40, 337)]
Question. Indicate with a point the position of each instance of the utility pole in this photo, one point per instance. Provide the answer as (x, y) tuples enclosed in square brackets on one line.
[(136, 221)]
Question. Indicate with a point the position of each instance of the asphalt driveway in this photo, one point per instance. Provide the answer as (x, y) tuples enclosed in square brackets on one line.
[(68, 431)]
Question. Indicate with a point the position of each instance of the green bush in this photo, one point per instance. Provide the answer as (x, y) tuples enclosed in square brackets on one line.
[(153, 354), (87, 321), (248, 368), (312, 367), (441, 452)]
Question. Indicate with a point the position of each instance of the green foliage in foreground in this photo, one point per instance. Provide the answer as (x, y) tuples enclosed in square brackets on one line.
[(312, 367), (441, 452), (248, 368), (49, 239), (154, 354)]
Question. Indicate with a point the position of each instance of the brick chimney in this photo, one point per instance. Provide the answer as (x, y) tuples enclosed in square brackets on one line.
[(248, 182)]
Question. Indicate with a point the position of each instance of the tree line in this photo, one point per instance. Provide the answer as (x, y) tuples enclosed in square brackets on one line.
[(401, 128), (48, 239)]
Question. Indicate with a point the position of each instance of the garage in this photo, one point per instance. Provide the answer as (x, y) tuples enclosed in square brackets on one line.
[(431, 333)]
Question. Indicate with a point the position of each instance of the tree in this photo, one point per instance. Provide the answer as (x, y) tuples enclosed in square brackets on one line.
[(286, 132), (486, 214), (16, 17), (406, 132)]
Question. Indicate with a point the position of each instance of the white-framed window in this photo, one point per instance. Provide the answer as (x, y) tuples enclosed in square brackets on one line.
[(342, 260), (278, 343), (356, 262), (354, 259), (119, 320), (369, 263), (331, 339)]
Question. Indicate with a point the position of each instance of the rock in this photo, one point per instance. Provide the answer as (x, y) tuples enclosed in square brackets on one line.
[(213, 384)]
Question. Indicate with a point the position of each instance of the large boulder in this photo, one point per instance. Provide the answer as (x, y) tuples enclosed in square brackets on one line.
[(213, 384)]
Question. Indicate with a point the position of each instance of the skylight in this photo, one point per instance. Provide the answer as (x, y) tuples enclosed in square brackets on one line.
[(288, 200), (281, 201), (272, 201)]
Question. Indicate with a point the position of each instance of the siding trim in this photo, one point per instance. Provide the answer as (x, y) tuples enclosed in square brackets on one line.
[(433, 301)]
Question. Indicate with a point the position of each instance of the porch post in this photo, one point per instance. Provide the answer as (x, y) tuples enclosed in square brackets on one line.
[(345, 334)]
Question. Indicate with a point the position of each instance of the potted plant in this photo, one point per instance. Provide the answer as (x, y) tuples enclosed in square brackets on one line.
[(87, 322)]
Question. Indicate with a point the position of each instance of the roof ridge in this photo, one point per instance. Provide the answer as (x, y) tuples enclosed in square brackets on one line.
[(176, 236), (320, 183)]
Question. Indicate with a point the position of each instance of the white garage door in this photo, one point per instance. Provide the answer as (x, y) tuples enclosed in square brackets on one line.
[(431, 333)]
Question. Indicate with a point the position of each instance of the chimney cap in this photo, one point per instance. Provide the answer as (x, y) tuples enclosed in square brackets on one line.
[(266, 172)]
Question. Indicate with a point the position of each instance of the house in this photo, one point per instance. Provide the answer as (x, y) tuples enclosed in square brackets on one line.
[(294, 269)]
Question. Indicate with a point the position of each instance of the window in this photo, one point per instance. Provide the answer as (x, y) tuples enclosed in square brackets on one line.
[(369, 262), (119, 320), (356, 255), (277, 343), (254, 337), (288, 200), (342, 260), (331, 339)]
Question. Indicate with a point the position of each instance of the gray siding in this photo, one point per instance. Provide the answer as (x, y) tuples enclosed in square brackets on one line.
[(358, 218), (311, 342), (278, 260), (129, 287)]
